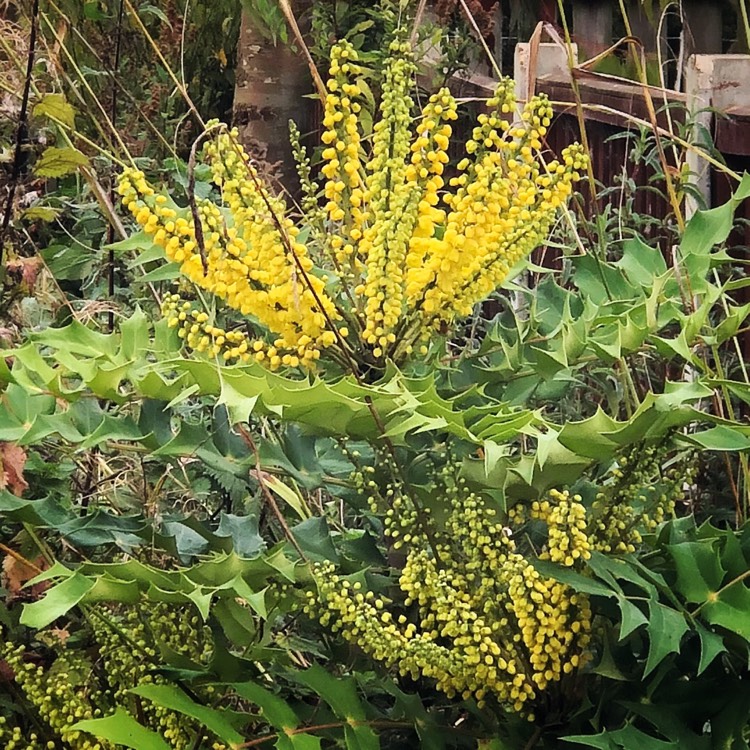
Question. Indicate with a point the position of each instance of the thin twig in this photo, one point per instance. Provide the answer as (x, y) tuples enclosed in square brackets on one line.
[(199, 239), (178, 84), (292, 21), (417, 21), (16, 556), (247, 437), (21, 130), (533, 739), (377, 723), (113, 119), (109, 212)]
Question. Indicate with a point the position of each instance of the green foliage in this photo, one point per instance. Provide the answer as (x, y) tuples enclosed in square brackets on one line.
[(165, 518)]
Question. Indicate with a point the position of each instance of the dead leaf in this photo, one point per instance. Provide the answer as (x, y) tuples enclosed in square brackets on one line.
[(26, 270), (16, 573), (12, 461), (6, 672), (61, 634)]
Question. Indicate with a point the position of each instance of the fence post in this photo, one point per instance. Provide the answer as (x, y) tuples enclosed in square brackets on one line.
[(592, 25), (551, 60), (721, 83), (699, 89)]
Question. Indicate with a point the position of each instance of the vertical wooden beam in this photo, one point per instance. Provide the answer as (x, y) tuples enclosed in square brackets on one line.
[(592, 25), (699, 85), (642, 27), (551, 61), (702, 27)]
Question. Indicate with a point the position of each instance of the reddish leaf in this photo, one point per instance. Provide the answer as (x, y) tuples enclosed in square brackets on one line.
[(12, 461), (16, 573)]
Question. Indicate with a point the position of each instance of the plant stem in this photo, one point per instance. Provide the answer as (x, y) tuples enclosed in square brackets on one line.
[(247, 437), (20, 558), (533, 739), (21, 129), (716, 594), (745, 22)]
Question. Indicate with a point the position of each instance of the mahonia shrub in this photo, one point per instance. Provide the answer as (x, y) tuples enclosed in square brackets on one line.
[(476, 609), (388, 253), (475, 615), (75, 684)]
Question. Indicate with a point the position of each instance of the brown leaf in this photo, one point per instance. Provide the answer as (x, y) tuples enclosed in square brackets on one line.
[(61, 634), (6, 672), (12, 461), (16, 573), (26, 270)]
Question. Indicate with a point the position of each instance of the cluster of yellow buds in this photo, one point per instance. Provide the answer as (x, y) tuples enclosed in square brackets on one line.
[(60, 696), (641, 496), (474, 614), (68, 690), (247, 260), (566, 523), (14, 738), (397, 255), (343, 167)]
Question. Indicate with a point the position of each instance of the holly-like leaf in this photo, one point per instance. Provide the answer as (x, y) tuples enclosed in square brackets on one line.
[(729, 608), (275, 710), (631, 617), (175, 699), (666, 627), (712, 645), (699, 570), (122, 729), (58, 601), (627, 738)]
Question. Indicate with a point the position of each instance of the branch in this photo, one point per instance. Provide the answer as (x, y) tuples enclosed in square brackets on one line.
[(22, 129)]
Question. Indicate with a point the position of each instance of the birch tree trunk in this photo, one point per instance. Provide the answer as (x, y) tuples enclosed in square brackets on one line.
[(272, 81)]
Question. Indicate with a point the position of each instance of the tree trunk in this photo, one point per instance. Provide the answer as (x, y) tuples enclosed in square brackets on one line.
[(271, 84)]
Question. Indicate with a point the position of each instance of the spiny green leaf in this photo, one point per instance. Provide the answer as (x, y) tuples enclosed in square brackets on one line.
[(339, 693), (59, 600), (275, 710), (712, 645), (122, 729), (719, 438), (175, 699), (729, 609), (631, 617), (641, 263), (314, 537), (627, 738), (575, 580), (243, 530), (699, 570), (666, 627)]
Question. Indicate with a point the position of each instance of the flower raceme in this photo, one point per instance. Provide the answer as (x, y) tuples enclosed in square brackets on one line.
[(402, 250), (474, 614)]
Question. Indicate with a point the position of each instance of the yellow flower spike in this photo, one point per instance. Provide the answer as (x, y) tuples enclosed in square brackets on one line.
[(388, 190), (503, 630), (343, 169), (413, 252)]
